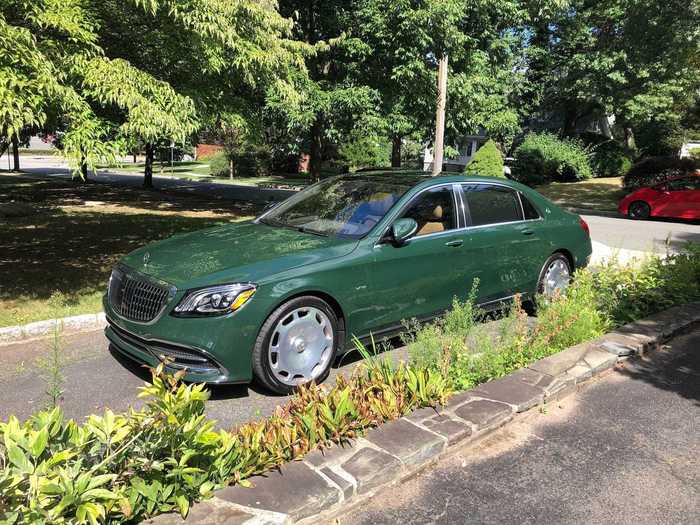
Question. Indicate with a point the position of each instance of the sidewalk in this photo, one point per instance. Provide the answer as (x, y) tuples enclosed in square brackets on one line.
[(625, 450)]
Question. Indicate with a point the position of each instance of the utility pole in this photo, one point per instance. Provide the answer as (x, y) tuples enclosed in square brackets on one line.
[(439, 148)]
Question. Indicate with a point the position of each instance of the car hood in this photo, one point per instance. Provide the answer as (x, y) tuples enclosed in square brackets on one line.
[(241, 252)]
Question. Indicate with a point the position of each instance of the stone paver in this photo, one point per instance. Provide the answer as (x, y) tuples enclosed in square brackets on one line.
[(408, 442), (483, 413), (372, 468), (296, 490), (512, 391), (453, 431)]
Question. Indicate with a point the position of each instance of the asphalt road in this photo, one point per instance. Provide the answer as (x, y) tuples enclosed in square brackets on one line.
[(624, 450), (94, 378)]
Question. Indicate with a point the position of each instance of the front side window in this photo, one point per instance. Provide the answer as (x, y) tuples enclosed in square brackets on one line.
[(347, 206), (682, 184), (433, 210), (491, 204)]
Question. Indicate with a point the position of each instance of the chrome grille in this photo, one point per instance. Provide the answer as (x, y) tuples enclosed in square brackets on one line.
[(134, 297)]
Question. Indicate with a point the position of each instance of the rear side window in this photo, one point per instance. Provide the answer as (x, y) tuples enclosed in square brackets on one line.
[(529, 209), (491, 204)]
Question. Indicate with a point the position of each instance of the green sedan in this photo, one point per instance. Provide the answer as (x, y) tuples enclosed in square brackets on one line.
[(279, 298)]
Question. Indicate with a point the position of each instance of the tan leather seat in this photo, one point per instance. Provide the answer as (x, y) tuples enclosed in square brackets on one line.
[(434, 224)]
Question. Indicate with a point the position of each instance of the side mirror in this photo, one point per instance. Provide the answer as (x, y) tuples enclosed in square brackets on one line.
[(402, 230)]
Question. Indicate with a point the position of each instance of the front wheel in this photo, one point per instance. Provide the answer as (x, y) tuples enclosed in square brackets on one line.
[(555, 276), (296, 345), (639, 210)]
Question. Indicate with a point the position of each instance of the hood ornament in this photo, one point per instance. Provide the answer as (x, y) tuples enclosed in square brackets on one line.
[(146, 258)]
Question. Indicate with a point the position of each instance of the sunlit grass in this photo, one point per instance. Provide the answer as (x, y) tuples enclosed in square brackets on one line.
[(595, 194)]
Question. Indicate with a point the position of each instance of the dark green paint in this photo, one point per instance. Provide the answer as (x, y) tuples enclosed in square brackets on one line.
[(375, 283)]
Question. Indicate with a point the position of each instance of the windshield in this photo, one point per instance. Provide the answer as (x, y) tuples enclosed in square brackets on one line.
[(347, 206)]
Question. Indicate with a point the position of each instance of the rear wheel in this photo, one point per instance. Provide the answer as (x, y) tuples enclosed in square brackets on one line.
[(555, 276), (639, 210), (296, 345)]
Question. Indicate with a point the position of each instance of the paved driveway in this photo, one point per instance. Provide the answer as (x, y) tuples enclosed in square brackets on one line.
[(95, 379), (625, 450)]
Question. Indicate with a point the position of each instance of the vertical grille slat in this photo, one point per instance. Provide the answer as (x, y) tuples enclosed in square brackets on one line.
[(135, 298)]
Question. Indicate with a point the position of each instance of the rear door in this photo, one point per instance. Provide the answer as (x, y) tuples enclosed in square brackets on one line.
[(505, 239)]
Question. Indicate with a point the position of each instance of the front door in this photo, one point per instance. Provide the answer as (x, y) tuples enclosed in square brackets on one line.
[(420, 278)]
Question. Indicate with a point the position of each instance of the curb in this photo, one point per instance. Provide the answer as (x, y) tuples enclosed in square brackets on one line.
[(66, 325), (325, 483)]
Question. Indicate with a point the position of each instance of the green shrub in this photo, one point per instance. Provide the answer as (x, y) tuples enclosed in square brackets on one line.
[(487, 162), (659, 138), (610, 159), (544, 158), (255, 162), (653, 170), (626, 293), (694, 153), (124, 468)]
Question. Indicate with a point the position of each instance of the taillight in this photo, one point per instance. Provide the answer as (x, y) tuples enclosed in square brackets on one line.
[(584, 226)]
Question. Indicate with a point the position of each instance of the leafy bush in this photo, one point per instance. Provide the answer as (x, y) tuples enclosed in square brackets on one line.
[(654, 170), (255, 162), (694, 153), (120, 468), (610, 159), (659, 138), (544, 158), (487, 162), (626, 293), (469, 353)]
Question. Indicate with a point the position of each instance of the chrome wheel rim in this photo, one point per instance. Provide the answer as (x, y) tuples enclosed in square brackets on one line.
[(556, 278), (301, 346)]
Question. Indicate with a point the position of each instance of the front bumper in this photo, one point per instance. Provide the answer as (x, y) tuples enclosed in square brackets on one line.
[(210, 350)]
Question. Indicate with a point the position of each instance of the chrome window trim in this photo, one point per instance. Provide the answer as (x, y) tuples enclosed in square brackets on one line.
[(466, 227), (522, 211), (405, 206), (521, 197)]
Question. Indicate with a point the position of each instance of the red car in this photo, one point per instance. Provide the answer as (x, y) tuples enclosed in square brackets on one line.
[(678, 198)]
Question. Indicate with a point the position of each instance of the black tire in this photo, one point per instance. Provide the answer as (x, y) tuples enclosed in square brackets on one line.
[(639, 210), (261, 365)]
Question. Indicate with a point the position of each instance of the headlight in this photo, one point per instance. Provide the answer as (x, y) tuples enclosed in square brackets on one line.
[(215, 300)]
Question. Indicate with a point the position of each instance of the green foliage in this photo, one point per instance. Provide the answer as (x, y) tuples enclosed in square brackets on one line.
[(626, 293), (653, 170), (254, 162), (610, 159), (543, 158), (124, 468), (487, 162), (659, 137), (694, 153), (468, 352)]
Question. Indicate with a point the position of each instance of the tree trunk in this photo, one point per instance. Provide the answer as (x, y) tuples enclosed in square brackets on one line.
[(83, 170), (134, 154), (570, 121), (396, 144), (15, 152), (629, 138), (148, 168), (316, 153), (230, 168)]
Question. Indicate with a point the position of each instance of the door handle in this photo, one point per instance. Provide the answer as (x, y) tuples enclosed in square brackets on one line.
[(528, 232), (455, 244)]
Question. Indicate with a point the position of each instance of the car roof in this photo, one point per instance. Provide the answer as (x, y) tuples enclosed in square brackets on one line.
[(424, 178)]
